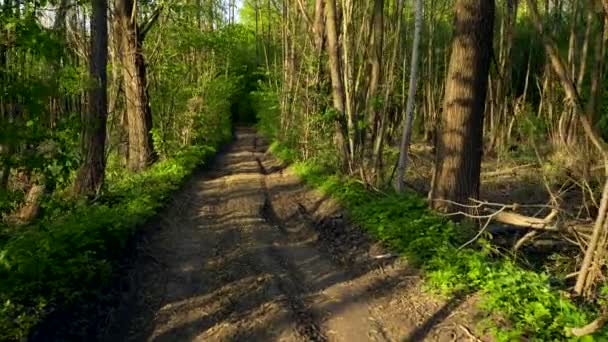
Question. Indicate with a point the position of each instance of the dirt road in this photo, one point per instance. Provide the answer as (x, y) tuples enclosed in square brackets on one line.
[(247, 253)]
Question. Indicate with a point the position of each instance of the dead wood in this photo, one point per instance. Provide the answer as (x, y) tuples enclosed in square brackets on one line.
[(30, 208), (592, 327)]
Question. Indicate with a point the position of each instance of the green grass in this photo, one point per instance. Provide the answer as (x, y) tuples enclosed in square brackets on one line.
[(69, 254), (533, 309)]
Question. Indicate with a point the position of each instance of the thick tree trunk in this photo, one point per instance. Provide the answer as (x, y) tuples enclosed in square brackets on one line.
[(139, 114), (333, 52), (459, 144), (93, 134)]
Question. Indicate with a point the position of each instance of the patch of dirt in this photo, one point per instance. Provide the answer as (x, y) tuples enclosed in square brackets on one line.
[(246, 252)]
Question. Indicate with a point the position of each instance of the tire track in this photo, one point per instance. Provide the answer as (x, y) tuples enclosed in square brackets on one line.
[(289, 280)]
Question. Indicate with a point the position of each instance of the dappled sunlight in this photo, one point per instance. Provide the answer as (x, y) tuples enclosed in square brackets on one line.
[(303, 170)]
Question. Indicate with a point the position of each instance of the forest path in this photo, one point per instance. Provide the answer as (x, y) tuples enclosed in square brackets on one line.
[(246, 252)]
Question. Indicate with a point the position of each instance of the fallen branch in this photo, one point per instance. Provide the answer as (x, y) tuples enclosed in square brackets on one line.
[(592, 327), (518, 220), (527, 237), (505, 214), (483, 229), (502, 172)]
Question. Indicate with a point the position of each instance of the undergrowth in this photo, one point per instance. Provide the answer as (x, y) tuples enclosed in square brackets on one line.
[(532, 308), (69, 254)]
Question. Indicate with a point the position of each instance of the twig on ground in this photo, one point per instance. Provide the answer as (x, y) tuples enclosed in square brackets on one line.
[(468, 332), (483, 229), (384, 256), (527, 237)]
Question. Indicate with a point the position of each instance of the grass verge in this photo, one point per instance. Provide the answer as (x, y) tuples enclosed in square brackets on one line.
[(533, 309), (69, 254)]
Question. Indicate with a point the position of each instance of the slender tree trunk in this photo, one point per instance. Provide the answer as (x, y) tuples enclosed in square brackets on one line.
[(350, 83), (411, 97), (562, 73), (5, 169), (333, 52), (93, 134), (504, 78), (59, 28), (257, 45), (597, 246), (585, 49), (319, 31), (598, 74), (139, 114), (459, 145), (319, 25), (375, 60)]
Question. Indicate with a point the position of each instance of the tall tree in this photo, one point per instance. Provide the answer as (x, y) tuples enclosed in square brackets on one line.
[(93, 133), (411, 97), (375, 79), (335, 71), (459, 143), (139, 114)]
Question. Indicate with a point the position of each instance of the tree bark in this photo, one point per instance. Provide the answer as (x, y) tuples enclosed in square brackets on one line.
[(319, 25), (333, 52), (139, 114), (411, 96), (93, 133), (377, 119), (459, 144), (375, 62)]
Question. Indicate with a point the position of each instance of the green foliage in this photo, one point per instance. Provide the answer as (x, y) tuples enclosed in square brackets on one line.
[(35, 141), (284, 154), (195, 76), (192, 97), (265, 104), (535, 310), (69, 254)]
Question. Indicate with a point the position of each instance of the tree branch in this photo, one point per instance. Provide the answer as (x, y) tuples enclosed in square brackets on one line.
[(145, 27), (305, 14)]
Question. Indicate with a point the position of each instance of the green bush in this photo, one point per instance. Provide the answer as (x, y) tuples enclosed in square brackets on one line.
[(265, 103), (67, 256), (535, 310)]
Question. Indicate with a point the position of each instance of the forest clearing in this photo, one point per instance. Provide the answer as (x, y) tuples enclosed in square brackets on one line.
[(304, 170)]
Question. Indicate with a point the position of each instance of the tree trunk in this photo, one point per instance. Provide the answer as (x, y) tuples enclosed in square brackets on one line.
[(597, 246), (319, 25), (93, 133), (459, 144), (378, 120), (500, 106), (333, 52), (139, 114), (375, 62), (411, 96), (5, 169)]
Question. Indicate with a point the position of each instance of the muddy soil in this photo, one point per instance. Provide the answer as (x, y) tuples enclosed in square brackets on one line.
[(246, 252)]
